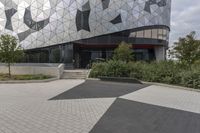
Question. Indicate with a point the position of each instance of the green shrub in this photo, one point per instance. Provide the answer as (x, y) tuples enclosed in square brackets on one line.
[(117, 69), (123, 52), (190, 78), (136, 69), (110, 68), (163, 72), (98, 69)]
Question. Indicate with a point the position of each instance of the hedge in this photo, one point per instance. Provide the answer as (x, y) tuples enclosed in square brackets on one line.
[(168, 72)]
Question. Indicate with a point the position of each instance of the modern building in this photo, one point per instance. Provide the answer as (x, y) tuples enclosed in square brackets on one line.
[(78, 31)]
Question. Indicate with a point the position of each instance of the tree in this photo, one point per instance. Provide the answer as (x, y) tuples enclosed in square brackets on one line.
[(10, 52), (123, 52), (187, 49)]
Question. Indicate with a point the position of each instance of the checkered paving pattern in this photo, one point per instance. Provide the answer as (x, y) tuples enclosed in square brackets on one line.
[(34, 108), (24, 108), (167, 97)]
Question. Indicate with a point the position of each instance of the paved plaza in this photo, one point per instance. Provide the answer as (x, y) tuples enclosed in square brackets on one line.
[(92, 106)]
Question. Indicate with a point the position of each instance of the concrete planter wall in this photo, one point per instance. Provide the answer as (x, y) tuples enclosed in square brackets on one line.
[(55, 70)]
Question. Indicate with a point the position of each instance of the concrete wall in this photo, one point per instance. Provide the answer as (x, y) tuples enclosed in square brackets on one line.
[(160, 53), (23, 69)]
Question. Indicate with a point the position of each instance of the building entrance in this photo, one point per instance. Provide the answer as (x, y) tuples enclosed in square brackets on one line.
[(85, 56)]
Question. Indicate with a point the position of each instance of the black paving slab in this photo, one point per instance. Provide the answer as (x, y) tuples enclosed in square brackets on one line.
[(126, 116), (99, 89)]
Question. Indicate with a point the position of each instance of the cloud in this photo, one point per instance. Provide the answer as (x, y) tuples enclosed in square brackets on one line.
[(185, 18)]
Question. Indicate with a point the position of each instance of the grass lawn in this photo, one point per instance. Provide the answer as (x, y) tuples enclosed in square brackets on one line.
[(4, 77)]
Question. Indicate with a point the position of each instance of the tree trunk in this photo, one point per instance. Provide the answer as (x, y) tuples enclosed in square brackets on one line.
[(9, 71)]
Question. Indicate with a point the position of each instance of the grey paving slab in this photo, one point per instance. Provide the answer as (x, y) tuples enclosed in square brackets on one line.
[(167, 97), (126, 116), (92, 106), (64, 116), (25, 108), (99, 89)]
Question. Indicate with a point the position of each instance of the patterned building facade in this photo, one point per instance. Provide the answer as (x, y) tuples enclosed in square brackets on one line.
[(82, 30)]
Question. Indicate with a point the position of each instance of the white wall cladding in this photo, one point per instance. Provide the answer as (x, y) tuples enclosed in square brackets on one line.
[(41, 23)]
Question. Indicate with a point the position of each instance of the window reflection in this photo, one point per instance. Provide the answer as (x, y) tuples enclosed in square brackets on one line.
[(140, 34), (154, 33), (162, 34), (147, 34)]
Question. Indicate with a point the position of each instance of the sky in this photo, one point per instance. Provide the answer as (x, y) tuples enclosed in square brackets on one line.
[(185, 17)]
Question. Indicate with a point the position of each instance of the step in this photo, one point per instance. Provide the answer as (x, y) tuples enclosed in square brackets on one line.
[(75, 74)]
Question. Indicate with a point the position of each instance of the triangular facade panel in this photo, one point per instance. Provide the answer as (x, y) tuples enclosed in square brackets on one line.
[(41, 23)]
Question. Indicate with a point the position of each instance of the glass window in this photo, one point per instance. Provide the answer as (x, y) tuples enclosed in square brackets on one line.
[(165, 32), (147, 34), (160, 31), (68, 53), (109, 54), (133, 34), (164, 37), (96, 54), (44, 57), (160, 37), (55, 55), (155, 33), (140, 34), (141, 54), (160, 34)]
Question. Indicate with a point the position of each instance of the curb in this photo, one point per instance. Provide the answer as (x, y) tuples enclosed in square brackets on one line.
[(161, 84), (120, 79), (27, 81), (171, 86), (93, 79)]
